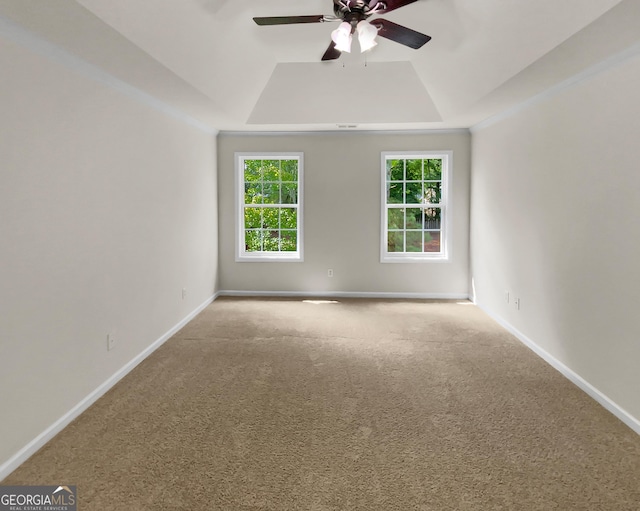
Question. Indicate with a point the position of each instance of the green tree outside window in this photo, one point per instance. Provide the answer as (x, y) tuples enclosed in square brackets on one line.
[(270, 205)]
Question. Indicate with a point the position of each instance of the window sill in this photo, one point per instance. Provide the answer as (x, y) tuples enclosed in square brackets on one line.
[(440, 258), (293, 257)]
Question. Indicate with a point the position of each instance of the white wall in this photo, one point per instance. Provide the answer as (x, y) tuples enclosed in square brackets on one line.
[(107, 210), (342, 217), (555, 194)]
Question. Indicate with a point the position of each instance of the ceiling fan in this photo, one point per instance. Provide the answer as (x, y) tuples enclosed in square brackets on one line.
[(353, 15)]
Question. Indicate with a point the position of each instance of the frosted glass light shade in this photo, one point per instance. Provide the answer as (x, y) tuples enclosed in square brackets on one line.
[(341, 36), (366, 35)]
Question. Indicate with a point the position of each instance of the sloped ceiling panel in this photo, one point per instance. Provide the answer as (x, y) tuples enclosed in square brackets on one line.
[(332, 93)]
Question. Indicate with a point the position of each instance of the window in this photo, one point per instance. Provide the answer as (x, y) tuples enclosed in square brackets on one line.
[(269, 207), (415, 206)]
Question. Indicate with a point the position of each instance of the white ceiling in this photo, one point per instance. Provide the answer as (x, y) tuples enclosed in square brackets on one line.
[(209, 58)]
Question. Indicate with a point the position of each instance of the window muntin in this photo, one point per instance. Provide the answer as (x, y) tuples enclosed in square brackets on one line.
[(269, 212), (415, 206)]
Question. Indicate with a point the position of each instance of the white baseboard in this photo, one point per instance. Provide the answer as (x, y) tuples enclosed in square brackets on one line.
[(347, 294), (571, 375), (32, 447)]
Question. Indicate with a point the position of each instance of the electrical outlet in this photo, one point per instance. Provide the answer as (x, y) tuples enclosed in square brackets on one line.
[(516, 303), (184, 293), (506, 296), (111, 342), (329, 273)]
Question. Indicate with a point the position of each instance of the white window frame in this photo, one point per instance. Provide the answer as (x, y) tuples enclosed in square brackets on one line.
[(241, 254), (445, 209)]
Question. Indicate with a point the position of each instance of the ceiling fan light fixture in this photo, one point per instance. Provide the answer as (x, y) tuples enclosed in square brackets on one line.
[(341, 36), (366, 35)]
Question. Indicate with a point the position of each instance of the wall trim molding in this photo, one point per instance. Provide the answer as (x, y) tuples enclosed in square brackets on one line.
[(333, 131), (55, 53), (37, 443), (573, 81), (345, 294), (568, 373)]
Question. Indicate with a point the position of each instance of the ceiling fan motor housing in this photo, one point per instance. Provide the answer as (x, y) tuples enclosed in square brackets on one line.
[(341, 8), (352, 11)]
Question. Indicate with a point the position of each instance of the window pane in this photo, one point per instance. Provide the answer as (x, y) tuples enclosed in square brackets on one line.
[(395, 218), (395, 170), (432, 218), (414, 218), (395, 241), (414, 170), (252, 170), (252, 218), (253, 193), (289, 170), (433, 193), (253, 241), (288, 241), (271, 170), (414, 205), (432, 170), (270, 218), (288, 218), (271, 241), (289, 193), (414, 241), (413, 194), (432, 241), (395, 193), (271, 193), (268, 207)]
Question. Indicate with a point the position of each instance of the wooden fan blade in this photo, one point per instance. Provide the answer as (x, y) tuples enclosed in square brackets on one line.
[(395, 4), (399, 34), (288, 20), (332, 52)]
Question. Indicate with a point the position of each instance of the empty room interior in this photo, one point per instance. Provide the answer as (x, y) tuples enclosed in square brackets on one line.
[(320, 255)]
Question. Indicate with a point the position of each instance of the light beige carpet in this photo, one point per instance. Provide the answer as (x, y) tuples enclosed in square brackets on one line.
[(357, 405)]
